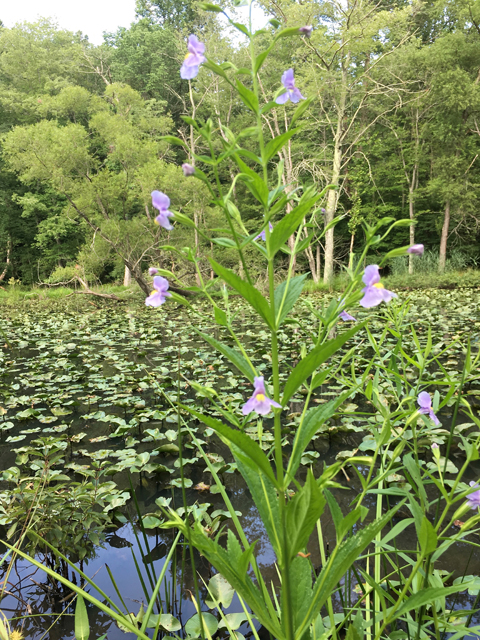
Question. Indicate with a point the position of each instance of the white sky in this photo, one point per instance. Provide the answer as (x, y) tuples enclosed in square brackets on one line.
[(92, 17)]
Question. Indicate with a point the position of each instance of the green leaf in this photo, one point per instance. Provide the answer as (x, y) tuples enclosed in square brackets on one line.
[(167, 622), (277, 143), (426, 596), (300, 110), (247, 96), (225, 242), (288, 224), (341, 559), (82, 626), (174, 140), (302, 513), (220, 592), (314, 359), (314, 419), (250, 293), (251, 453), (295, 287), (427, 537), (220, 317), (264, 495), (207, 6), (234, 621), (234, 356), (193, 627), (254, 183)]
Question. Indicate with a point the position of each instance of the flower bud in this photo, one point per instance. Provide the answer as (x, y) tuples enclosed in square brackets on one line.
[(152, 271), (188, 169), (416, 249), (306, 31)]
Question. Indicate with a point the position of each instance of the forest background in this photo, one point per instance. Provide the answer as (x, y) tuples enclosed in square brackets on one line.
[(392, 122)]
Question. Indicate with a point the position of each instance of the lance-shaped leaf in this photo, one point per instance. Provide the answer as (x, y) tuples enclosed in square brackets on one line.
[(82, 626), (313, 360), (252, 454), (233, 355), (284, 302), (277, 143), (288, 224), (250, 293), (301, 515), (342, 558)]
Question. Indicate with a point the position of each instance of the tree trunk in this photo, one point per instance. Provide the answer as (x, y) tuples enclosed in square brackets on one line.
[(411, 213), (332, 198), (442, 256), (127, 277), (9, 248)]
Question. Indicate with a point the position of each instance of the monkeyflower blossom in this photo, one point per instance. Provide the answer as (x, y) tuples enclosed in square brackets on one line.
[(160, 293), (291, 93), (188, 169), (473, 499), (193, 59), (161, 202), (425, 404), (435, 446), (306, 31), (261, 236), (259, 401), (374, 291), (152, 271), (416, 249)]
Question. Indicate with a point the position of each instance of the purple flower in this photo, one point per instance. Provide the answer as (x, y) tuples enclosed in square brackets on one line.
[(157, 297), (152, 271), (193, 59), (425, 404), (473, 499), (323, 210), (161, 202), (259, 401), (346, 317), (375, 292), (261, 236), (435, 446), (291, 93), (306, 31), (188, 169), (416, 249)]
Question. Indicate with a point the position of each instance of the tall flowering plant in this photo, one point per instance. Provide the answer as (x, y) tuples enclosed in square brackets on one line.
[(289, 521)]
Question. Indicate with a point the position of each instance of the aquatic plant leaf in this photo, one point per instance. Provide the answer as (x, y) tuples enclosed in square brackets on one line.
[(167, 622), (82, 626), (219, 592), (193, 627)]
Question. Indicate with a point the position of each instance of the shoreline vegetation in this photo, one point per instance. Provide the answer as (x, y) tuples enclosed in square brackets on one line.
[(12, 294)]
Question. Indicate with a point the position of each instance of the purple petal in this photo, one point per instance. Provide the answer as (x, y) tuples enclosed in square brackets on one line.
[(152, 271), (249, 406), (346, 317), (372, 297), (473, 500), (433, 417), (259, 385), (156, 298), (386, 294), (288, 79), (424, 400), (195, 46), (160, 201), (160, 284), (261, 236), (188, 73), (283, 98), (163, 221), (371, 275), (296, 96)]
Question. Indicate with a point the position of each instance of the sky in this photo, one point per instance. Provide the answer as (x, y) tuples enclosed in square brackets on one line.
[(92, 17)]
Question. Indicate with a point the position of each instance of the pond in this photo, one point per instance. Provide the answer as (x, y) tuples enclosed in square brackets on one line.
[(90, 394)]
